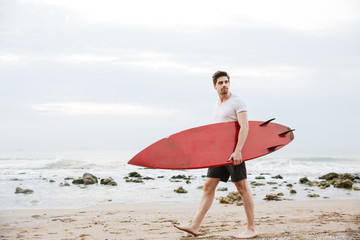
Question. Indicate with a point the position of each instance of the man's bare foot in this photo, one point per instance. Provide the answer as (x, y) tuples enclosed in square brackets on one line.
[(246, 235), (187, 229)]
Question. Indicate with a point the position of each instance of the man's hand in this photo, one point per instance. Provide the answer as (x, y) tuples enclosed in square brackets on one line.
[(236, 158)]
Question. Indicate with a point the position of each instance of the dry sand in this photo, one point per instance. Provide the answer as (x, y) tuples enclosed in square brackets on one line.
[(325, 219)]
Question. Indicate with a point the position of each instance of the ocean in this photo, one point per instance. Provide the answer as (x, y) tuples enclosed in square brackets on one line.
[(43, 173)]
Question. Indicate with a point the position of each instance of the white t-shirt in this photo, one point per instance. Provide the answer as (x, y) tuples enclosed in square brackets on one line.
[(227, 111)]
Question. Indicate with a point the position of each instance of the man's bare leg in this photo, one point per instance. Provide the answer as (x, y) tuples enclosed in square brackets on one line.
[(205, 204), (244, 190)]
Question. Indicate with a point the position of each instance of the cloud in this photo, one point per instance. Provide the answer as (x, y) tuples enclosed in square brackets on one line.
[(12, 58), (82, 108), (304, 15), (170, 62), (86, 58), (278, 73), (161, 61), (142, 59)]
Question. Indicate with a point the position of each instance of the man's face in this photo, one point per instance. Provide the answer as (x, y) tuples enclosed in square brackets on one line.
[(222, 85)]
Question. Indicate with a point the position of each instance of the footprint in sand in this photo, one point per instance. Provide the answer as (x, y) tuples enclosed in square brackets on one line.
[(66, 220), (84, 235)]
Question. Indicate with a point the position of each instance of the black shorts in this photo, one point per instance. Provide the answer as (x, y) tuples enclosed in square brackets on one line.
[(237, 172)]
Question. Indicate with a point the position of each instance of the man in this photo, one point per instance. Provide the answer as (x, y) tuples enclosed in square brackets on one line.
[(228, 108)]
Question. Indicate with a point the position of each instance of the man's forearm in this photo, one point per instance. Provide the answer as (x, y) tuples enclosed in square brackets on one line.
[(243, 133)]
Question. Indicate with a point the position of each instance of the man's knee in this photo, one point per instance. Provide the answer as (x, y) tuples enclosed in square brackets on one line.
[(242, 187), (210, 184)]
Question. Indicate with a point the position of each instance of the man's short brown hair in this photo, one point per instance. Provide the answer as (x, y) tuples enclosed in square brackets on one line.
[(219, 74)]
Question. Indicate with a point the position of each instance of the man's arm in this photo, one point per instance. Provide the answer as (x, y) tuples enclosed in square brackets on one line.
[(243, 133)]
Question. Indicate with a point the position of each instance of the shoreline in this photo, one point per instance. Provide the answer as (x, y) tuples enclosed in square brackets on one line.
[(106, 205), (51, 193), (314, 219), (55, 183), (216, 201)]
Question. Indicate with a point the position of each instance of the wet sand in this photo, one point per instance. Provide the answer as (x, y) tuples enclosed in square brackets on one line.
[(324, 219)]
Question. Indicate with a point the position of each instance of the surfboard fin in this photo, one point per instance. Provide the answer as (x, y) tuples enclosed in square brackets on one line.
[(274, 147), (286, 132), (267, 122)]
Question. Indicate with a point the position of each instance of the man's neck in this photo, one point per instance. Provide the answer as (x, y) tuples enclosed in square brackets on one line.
[(225, 97)]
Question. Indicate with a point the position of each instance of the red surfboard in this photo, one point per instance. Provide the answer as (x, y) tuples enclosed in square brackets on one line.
[(211, 145)]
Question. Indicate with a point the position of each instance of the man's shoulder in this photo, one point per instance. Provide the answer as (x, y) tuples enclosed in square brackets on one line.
[(238, 104), (236, 98)]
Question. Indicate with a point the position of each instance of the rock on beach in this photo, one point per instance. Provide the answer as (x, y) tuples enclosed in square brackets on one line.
[(329, 176), (231, 198), (135, 174), (345, 180), (65, 184), (108, 181), (180, 190), (273, 197), (343, 183), (87, 179), (313, 195), (25, 191)]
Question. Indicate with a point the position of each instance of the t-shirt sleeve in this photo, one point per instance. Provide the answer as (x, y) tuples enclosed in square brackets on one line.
[(239, 105)]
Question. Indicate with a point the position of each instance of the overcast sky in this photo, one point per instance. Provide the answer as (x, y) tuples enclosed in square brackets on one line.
[(81, 74)]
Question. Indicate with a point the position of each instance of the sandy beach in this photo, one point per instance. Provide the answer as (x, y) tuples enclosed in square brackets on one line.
[(324, 219)]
